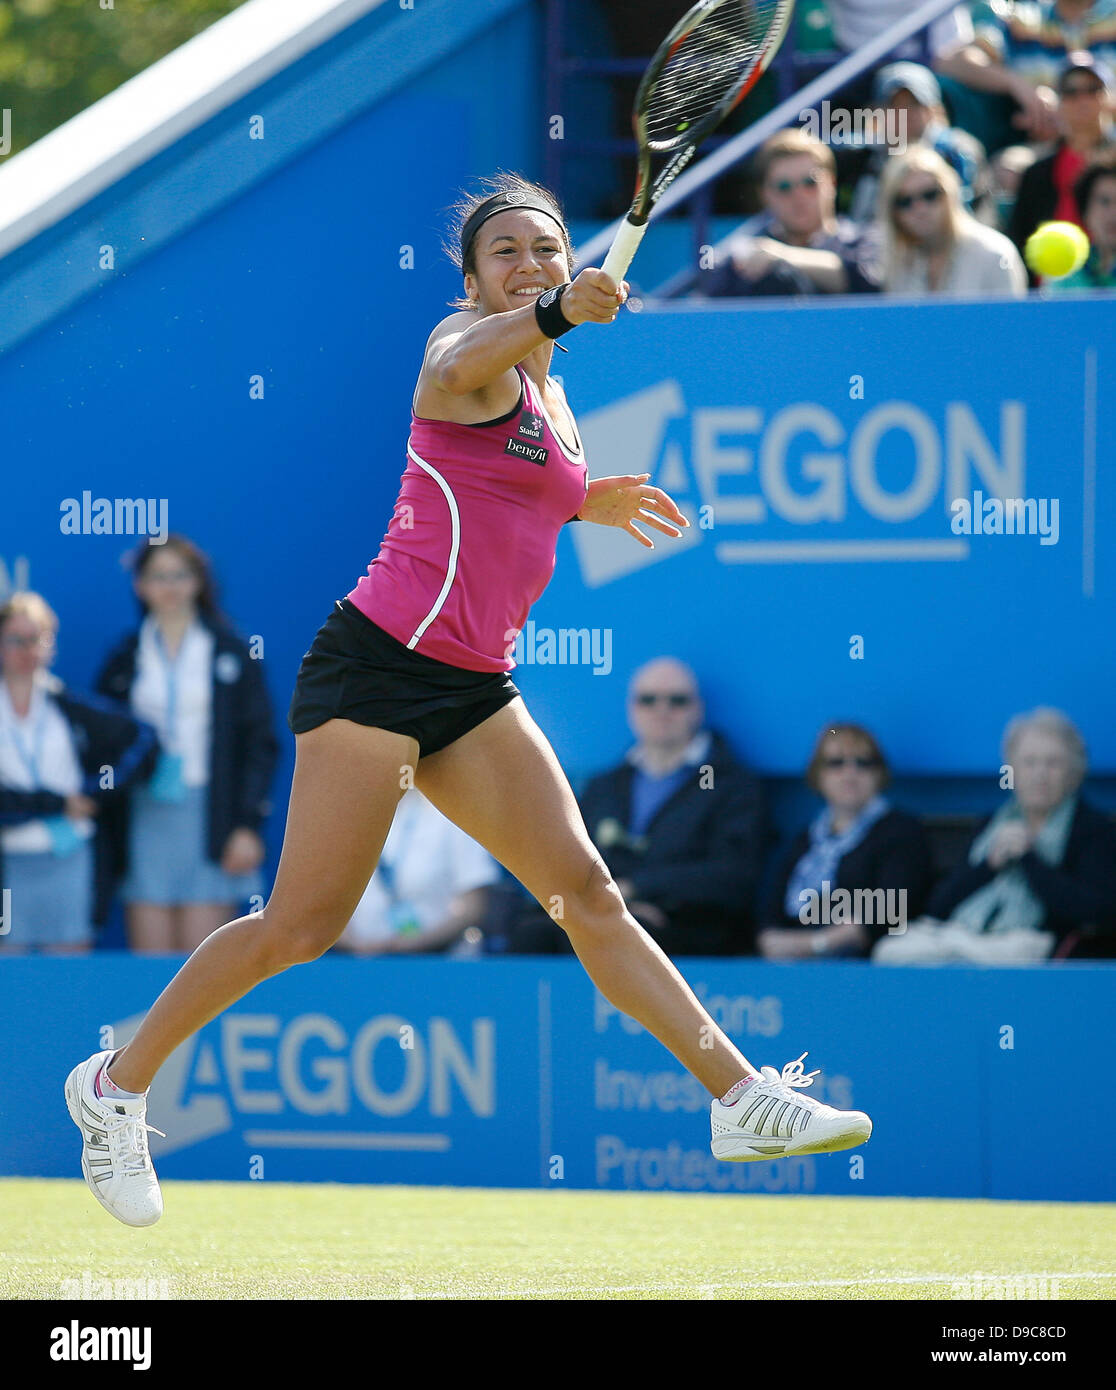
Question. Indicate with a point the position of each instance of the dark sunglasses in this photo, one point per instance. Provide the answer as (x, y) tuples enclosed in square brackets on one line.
[(674, 701), (903, 201), (862, 763), (789, 185), (1082, 89)]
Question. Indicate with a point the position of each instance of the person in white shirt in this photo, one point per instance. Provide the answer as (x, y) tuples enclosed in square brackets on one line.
[(63, 758), (193, 842), (857, 22), (931, 244), (429, 887)]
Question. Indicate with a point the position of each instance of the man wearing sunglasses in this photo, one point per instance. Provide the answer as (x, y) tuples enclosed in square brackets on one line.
[(804, 248), (680, 822), (1047, 193)]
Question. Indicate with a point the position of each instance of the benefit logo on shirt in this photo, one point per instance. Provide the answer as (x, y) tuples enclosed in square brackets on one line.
[(534, 453)]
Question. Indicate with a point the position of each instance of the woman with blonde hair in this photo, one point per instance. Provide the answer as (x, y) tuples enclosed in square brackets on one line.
[(931, 244), (64, 759)]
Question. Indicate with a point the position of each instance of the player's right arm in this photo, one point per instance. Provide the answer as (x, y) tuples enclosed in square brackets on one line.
[(468, 370)]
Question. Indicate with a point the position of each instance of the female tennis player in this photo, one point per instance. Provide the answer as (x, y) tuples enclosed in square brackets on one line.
[(408, 677)]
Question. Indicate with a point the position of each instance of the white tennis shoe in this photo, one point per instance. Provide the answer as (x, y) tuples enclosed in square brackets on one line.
[(767, 1118), (114, 1155)]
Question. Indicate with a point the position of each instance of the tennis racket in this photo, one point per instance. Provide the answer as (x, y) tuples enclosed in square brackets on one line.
[(705, 67)]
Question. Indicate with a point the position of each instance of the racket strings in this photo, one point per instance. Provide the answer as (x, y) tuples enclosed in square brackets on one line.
[(707, 68)]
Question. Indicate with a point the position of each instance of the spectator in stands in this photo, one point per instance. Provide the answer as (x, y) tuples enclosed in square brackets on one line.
[(1096, 194), (933, 246), (860, 867), (1003, 82), (1007, 169), (430, 887), (857, 22), (680, 821), (1047, 191), (1039, 872), (191, 836), (63, 759), (805, 248), (911, 91)]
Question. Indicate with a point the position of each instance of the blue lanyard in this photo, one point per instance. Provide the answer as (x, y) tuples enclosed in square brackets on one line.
[(386, 875), (386, 872), (30, 757), (171, 669)]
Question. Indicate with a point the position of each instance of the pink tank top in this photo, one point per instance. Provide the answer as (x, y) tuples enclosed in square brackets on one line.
[(472, 540)]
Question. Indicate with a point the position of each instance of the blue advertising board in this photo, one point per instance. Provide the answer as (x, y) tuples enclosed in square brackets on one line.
[(517, 1073), (845, 470)]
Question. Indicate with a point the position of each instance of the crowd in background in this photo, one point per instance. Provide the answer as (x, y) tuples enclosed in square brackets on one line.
[(940, 173), (157, 787)]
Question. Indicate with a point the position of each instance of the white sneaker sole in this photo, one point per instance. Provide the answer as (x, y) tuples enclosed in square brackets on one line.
[(73, 1105), (734, 1148)]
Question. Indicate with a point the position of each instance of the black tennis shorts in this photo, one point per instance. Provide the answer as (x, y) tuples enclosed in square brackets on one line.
[(355, 670)]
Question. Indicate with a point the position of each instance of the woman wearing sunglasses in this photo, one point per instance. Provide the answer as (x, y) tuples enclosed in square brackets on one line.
[(931, 244), (860, 869)]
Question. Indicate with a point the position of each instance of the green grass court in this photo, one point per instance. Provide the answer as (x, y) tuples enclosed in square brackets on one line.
[(292, 1241)]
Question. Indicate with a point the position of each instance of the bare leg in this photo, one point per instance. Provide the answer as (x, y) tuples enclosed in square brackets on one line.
[(483, 782), (150, 928), (345, 791), (196, 921)]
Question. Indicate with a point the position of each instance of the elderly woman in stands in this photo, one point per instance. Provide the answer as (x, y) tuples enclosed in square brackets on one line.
[(1040, 874), (63, 760), (858, 870)]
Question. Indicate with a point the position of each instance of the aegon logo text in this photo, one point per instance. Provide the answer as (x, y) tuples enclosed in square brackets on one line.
[(894, 464), (312, 1066)]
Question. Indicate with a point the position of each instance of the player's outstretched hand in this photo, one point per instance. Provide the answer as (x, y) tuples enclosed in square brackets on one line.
[(625, 500), (594, 297)]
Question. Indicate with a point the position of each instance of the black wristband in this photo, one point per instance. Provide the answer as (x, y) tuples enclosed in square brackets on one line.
[(548, 312)]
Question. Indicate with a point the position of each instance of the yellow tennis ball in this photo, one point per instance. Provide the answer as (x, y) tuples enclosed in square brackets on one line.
[(1056, 249)]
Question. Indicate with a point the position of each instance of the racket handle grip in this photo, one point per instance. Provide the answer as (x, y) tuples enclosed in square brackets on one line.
[(623, 249)]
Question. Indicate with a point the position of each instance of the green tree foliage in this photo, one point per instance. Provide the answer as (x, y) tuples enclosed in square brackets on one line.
[(59, 56)]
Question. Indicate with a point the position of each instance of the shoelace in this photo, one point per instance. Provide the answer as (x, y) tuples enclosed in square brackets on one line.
[(130, 1139), (793, 1075)]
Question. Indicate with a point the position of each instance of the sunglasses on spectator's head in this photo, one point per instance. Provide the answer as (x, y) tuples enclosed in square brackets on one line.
[(861, 762), (903, 201), (789, 185), (675, 701)]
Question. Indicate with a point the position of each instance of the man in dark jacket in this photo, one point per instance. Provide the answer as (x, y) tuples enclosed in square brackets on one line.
[(680, 822)]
